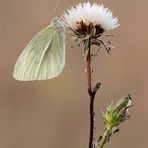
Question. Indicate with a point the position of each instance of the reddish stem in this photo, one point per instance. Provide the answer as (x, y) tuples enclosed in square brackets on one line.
[(88, 72), (92, 93), (91, 106)]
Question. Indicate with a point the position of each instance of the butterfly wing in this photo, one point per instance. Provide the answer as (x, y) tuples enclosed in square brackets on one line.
[(44, 56)]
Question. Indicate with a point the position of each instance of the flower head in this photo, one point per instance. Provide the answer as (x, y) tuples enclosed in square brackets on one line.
[(118, 113), (86, 19)]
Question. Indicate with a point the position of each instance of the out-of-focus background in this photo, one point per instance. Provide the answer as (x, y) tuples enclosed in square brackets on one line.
[(54, 113)]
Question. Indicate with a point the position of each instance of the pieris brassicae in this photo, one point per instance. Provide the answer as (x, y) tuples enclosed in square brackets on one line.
[(44, 56)]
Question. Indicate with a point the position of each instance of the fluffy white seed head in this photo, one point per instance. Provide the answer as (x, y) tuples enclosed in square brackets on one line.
[(89, 16)]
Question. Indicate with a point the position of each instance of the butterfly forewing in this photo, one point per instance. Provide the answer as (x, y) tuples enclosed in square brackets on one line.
[(44, 56)]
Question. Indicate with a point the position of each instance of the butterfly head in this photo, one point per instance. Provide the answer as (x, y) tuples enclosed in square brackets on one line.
[(57, 22)]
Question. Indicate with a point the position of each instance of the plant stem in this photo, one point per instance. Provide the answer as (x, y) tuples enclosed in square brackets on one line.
[(91, 136), (89, 89), (88, 71), (92, 93), (105, 136)]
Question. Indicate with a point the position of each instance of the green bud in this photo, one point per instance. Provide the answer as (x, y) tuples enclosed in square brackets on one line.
[(118, 113)]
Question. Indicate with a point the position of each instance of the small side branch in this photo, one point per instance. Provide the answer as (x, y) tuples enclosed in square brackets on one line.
[(96, 88)]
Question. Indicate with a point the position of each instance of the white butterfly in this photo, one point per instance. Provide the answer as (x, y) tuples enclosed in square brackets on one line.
[(44, 56)]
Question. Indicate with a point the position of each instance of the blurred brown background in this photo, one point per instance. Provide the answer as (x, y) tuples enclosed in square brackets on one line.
[(54, 113)]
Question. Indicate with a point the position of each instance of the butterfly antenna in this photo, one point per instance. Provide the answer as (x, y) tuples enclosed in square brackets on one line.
[(57, 4)]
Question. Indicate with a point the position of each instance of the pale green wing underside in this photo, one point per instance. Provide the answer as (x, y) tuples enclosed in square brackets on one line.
[(44, 56)]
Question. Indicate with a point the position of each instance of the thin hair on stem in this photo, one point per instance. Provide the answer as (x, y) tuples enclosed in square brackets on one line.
[(54, 11)]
